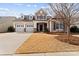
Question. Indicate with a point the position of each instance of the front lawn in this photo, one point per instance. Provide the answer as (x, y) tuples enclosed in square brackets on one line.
[(42, 42)]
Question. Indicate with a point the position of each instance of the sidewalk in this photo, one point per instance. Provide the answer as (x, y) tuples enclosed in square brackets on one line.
[(51, 54)]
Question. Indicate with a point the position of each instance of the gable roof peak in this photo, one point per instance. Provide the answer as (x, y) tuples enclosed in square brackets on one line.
[(41, 9)]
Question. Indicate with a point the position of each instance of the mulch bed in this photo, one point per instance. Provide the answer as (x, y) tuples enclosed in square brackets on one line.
[(72, 39), (56, 33)]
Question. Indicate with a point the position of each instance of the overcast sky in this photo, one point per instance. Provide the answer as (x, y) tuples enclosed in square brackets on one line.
[(16, 9)]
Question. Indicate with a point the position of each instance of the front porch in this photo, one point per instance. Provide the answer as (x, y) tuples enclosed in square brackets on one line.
[(41, 27), (50, 26), (56, 26)]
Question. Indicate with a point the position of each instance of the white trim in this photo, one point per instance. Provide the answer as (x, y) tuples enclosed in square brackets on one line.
[(50, 26)]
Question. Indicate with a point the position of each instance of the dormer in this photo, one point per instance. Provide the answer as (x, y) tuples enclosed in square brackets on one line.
[(27, 17), (41, 15), (30, 17)]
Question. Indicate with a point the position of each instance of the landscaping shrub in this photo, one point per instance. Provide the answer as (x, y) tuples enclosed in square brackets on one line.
[(11, 29), (74, 29), (46, 30)]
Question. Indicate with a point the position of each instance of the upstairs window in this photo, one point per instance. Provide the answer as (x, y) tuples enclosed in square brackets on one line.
[(30, 17), (41, 17), (26, 17)]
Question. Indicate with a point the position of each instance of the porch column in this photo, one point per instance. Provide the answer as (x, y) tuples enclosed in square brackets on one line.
[(43, 27), (38, 27), (59, 25), (50, 26)]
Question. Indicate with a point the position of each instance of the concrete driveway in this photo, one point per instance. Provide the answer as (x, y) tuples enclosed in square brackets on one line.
[(9, 42)]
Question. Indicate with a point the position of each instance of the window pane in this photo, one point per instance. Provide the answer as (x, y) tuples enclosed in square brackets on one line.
[(61, 25), (41, 17), (57, 26)]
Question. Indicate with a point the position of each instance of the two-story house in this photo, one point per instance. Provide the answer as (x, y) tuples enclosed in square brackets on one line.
[(39, 22)]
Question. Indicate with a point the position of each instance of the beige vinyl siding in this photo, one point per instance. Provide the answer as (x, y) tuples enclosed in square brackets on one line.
[(5, 22), (4, 26)]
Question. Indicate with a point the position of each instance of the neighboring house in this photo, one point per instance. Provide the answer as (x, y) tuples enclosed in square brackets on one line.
[(76, 22), (39, 22), (5, 22)]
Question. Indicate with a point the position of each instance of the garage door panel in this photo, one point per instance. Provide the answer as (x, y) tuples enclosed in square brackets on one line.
[(29, 29), (19, 29)]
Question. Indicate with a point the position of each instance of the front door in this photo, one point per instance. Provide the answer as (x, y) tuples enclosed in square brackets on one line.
[(41, 26)]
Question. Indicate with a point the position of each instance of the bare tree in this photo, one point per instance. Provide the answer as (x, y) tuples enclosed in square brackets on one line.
[(68, 12)]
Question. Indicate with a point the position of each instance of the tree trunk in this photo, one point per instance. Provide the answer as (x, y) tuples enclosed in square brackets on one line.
[(68, 32)]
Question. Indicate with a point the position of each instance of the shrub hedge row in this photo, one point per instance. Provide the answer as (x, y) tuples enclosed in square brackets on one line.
[(74, 29)]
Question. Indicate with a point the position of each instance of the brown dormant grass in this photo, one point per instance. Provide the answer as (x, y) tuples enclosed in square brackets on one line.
[(42, 42)]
